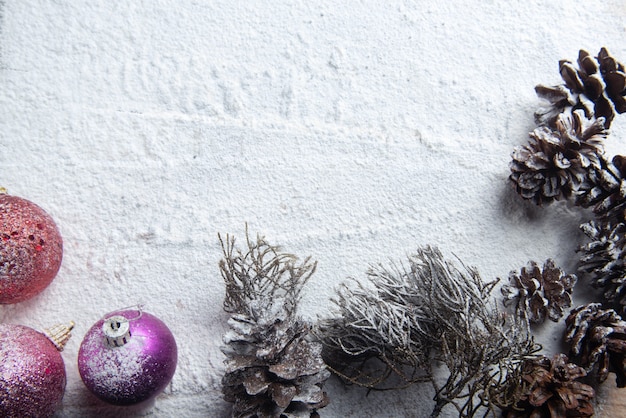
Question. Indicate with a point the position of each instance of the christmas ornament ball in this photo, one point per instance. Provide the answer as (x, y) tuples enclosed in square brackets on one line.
[(32, 371), (31, 249), (127, 357)]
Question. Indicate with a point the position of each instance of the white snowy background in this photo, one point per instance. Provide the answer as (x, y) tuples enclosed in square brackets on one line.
[(352, 132)]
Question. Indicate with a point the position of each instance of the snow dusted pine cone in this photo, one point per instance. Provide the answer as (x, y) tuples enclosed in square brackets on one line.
[(597, 339), (555, 163), (551, 390), (603, 259), (597, 87), (539, 293), (607, 195), (273, 371), (272, 368)]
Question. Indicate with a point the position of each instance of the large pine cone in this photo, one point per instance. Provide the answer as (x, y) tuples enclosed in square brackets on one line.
[(272, 369), (555, 163), (603, 259), (607, 192), (597, 339), (539, 293), (597, 86), (550, 390)]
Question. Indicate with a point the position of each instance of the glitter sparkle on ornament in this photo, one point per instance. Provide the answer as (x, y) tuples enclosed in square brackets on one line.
[(31, 249), (127, 357), (32, 371)]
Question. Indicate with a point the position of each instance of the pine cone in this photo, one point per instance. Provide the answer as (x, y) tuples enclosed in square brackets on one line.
[(555, 163), (550, 390), (597, 87), (603, 260), (539, 293), (607, 192), (273, 371), (272, 368), (597, 339)]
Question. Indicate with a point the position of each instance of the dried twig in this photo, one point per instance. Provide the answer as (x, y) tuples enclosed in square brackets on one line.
[(261, 275), (428, 310)]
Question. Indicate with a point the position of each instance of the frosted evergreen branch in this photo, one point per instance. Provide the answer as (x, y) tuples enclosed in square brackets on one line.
[(407, 316)]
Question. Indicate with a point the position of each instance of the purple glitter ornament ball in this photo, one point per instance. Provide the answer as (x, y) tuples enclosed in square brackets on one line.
[(32, 371), (127, 357)]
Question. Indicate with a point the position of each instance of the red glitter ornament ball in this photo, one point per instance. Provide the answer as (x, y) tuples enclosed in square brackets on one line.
[(32, 371), (31, 249)]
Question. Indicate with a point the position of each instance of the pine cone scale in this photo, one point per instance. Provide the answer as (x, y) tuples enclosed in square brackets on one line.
[(299, 360), (256, 382), (586, 62), (282, 394), (571, 78), (593, 88), (616, 82)]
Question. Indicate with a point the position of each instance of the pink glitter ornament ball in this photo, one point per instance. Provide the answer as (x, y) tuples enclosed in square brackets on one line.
[(127, 357), (31, 249), (32, 371)]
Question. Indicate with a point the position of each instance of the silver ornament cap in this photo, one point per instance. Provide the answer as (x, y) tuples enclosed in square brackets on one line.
[(116, 331)]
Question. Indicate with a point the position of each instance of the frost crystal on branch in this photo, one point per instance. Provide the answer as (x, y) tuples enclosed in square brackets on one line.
[(408, 317), (273, 369)]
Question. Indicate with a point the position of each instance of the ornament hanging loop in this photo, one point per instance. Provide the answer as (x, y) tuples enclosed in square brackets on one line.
[(138, 307)]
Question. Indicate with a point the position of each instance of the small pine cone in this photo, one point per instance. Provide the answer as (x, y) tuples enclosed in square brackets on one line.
[(606, 193), (597, 339), (550, 389), (597, 87), (603, 259), (272, 369), (539, 293), (555, 163)]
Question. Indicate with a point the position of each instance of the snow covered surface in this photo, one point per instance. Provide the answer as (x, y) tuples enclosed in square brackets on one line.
[(349, 131)]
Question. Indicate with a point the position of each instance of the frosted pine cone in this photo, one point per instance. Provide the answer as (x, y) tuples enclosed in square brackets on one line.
[(539, 293), (550, 389), (273, 371), (555, 163), (607, 194), (603, 259), (597, 87), (272, 368), (597, 339)]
